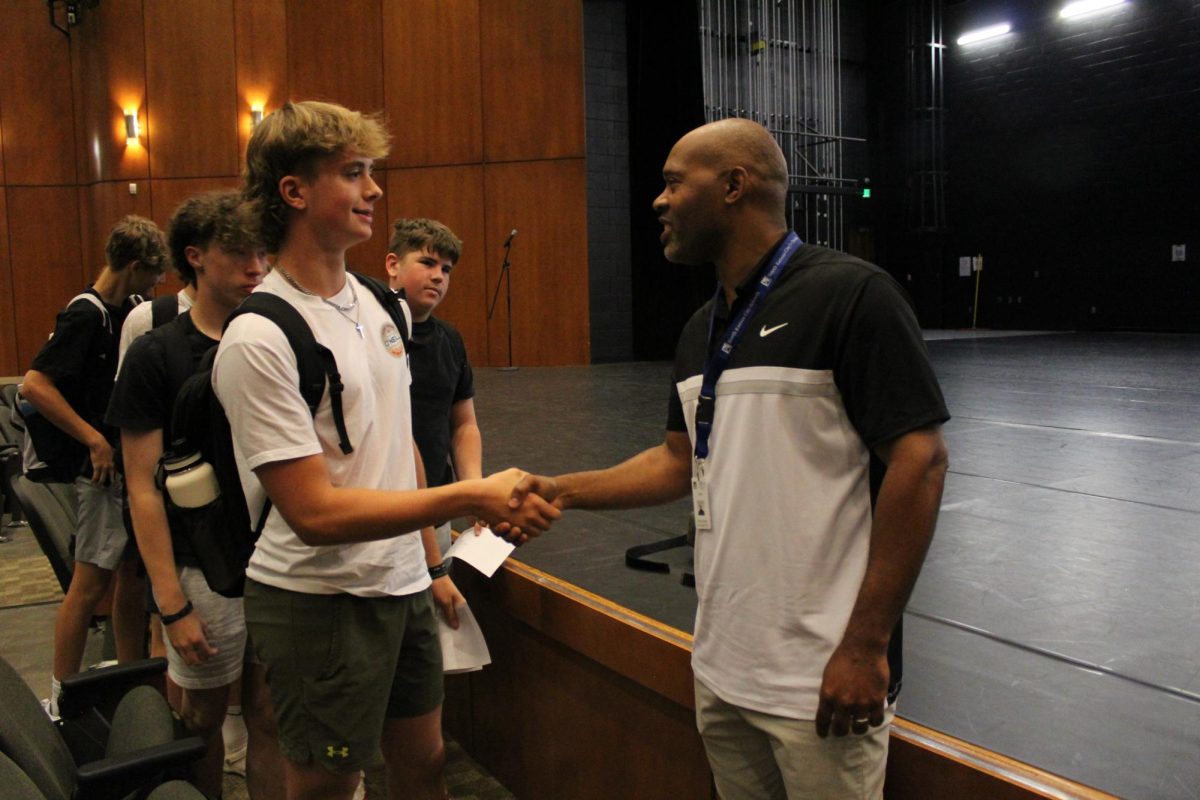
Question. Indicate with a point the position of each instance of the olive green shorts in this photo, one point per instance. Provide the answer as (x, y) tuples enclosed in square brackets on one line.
[(338, 665)]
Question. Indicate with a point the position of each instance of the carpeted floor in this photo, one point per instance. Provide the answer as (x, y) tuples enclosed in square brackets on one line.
[(26, 580), (465, 779)]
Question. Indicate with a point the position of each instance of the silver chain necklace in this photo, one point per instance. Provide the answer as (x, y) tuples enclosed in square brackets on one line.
[(343, 310)]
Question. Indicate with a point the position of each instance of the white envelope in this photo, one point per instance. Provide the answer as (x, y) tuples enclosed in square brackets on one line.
[(463, 650), (485, 552)]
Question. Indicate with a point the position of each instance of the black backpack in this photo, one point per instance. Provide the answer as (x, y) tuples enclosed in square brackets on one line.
[(220, 533), (163, 309)]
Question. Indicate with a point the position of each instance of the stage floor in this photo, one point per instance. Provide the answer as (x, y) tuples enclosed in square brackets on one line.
[(1057, 619)]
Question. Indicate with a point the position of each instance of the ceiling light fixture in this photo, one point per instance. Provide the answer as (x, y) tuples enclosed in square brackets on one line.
[(1082, 8), (983, 34)]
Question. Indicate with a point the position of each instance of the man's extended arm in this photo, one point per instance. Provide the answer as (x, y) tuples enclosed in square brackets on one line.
[(855, 682), (39, 389), (657, 475)]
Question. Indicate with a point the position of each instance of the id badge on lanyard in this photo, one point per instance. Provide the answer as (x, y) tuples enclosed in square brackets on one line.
[(716, 362), (700, 509)]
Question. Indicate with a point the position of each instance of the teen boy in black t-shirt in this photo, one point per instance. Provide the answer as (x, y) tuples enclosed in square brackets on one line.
[(69, 385), (421, 255), (215, 247)]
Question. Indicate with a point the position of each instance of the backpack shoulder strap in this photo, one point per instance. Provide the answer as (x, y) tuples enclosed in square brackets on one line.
[(163, 309), (177, 351), (98, 303), (389, 300), (314, 361)]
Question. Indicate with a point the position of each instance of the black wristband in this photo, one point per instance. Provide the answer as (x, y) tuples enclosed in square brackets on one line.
[(440, 571), (168, 619)]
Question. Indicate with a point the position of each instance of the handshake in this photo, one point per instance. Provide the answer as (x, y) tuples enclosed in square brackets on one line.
[(517, 505)]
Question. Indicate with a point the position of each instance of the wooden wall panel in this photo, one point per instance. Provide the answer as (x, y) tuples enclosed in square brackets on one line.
[(35, 92), (532, 55), (168, 194), (193, 68), (633, 742), (260, 42), (453, 195), (43, 229), (191, 83), (109, 59), (546, 202), (8, 324), (2, 180), (335, 52), (100, 206), (431, 81)]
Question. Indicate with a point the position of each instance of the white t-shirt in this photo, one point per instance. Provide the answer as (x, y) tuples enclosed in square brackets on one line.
[(140, 320), (255, 377)]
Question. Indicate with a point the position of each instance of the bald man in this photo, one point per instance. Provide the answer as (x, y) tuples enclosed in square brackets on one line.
[(803, 399)]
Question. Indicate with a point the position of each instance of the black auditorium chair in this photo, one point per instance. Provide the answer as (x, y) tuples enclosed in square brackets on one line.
[(85, 755), (18, 786), (10, 462), (8, 395), (51, 510)]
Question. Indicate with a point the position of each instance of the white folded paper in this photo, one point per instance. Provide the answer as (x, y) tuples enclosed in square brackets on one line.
[(485, 552), (463, 650)]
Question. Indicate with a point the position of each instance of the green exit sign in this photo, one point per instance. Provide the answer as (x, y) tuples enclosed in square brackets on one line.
[(866, 192)]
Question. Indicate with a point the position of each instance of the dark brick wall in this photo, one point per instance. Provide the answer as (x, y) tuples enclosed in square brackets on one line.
[(607, 109), (1073, 151)]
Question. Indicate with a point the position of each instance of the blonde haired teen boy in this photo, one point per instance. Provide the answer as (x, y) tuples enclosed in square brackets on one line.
[(340, 589)]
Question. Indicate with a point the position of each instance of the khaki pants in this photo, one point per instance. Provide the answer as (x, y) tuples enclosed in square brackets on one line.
[(756, 756)]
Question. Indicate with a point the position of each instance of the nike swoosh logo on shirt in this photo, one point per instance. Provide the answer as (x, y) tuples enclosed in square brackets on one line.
[(765, 331)]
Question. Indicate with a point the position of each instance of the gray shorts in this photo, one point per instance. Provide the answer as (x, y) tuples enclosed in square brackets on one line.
[(225, 627), (100, 535)]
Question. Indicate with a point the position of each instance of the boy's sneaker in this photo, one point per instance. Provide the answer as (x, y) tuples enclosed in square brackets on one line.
[(51, 712), (235, 763), (233, 730)]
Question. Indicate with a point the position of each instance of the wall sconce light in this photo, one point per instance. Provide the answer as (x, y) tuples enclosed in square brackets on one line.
[(983, 34), (132, 129), (1084, 7), (256, 116)]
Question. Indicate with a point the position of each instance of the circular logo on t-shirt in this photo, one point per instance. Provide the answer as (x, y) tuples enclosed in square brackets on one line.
[(392, 340)]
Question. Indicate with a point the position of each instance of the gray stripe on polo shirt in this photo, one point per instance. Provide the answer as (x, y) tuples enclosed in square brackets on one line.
[(765, 386)]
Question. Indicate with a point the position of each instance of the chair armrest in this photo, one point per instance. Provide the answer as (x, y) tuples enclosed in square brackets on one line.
[(105, 686), (118, 776)]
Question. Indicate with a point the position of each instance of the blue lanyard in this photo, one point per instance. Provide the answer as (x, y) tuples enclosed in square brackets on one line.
[(716, 361)]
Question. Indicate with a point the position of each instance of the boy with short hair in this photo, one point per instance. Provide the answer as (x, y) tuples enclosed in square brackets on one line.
[(141, 319), (421, 255), (69, 385), (338, 590), (215, 248)]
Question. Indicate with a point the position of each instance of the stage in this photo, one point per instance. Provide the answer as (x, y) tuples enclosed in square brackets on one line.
[(1057, 620)]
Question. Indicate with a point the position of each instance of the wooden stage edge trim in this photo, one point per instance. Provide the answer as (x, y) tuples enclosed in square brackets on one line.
[(652, 648), (1009, 770)]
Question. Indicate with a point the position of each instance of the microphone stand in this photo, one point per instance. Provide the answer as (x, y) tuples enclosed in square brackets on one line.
[(506, 279)]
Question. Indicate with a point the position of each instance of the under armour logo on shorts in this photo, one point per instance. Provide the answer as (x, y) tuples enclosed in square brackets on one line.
[(332, 751)]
